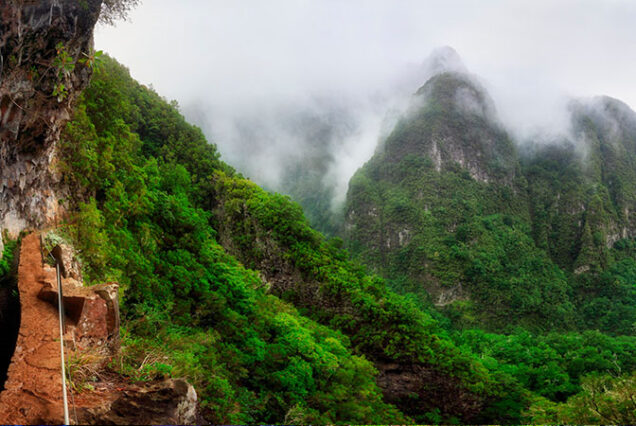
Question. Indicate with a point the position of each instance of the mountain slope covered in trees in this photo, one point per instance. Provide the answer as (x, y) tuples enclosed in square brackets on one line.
[(497, 236), (227, 285)]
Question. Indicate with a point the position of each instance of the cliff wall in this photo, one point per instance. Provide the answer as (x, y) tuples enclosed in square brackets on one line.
[(45, 58)]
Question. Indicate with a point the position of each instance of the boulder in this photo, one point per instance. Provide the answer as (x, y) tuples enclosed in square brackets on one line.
[(171, 401)]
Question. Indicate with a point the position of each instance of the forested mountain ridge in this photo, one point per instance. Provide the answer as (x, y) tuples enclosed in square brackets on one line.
[(591, 177), (495, 232)]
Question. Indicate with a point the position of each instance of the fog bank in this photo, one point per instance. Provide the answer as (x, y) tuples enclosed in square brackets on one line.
[(285, 84)]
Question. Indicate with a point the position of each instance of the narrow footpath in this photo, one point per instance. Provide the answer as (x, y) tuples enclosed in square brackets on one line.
[(33, 391)]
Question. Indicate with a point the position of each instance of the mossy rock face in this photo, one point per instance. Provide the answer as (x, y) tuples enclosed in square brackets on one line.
[(583, 191), (41, 77), (452, 123)]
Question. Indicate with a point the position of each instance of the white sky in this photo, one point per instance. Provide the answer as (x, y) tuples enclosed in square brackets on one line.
[(235, 54), (240, 49)]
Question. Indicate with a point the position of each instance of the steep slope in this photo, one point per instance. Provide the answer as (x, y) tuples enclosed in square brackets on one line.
[(226, 284), (46, 60), (582, 192), (453, 121), (442, 206), (583, 189), (140, 174), (155, 203)]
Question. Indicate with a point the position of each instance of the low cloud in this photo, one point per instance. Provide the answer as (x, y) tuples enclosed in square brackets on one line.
[(287, 83)]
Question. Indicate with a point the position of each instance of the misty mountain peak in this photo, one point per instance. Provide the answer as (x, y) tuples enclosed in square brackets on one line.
[(602, 106), (611, 120), (441, 60), (458, 92), (452, 121), (448, 83)]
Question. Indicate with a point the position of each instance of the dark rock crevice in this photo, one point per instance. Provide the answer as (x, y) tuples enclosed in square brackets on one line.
[(9, 319)]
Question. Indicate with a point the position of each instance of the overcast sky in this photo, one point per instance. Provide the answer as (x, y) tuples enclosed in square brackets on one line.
[(239, 49), (237, 54)]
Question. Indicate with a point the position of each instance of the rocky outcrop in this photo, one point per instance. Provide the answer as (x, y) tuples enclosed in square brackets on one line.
[(172, 401), (92, 313), (453, 121), (416, 388), (45, 49)]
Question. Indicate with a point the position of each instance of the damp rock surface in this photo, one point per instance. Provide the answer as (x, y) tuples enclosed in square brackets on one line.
[(43, 69)]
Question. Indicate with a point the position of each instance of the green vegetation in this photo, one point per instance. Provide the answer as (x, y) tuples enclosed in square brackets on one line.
[(227, 284), (553, 364), (495, 241), (64, 65), (532, 244), (252, 357), (8, 254), (155, 200), (440, 232), (605, 399), (304, 183)]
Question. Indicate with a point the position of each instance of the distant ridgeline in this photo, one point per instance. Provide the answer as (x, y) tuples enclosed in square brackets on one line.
[(227, 284), (498, 236)]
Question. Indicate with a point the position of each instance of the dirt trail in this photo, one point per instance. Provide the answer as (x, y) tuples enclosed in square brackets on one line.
[(34, 387)]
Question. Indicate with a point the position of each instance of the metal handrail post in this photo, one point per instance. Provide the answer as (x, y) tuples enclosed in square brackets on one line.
[(61, 310)]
